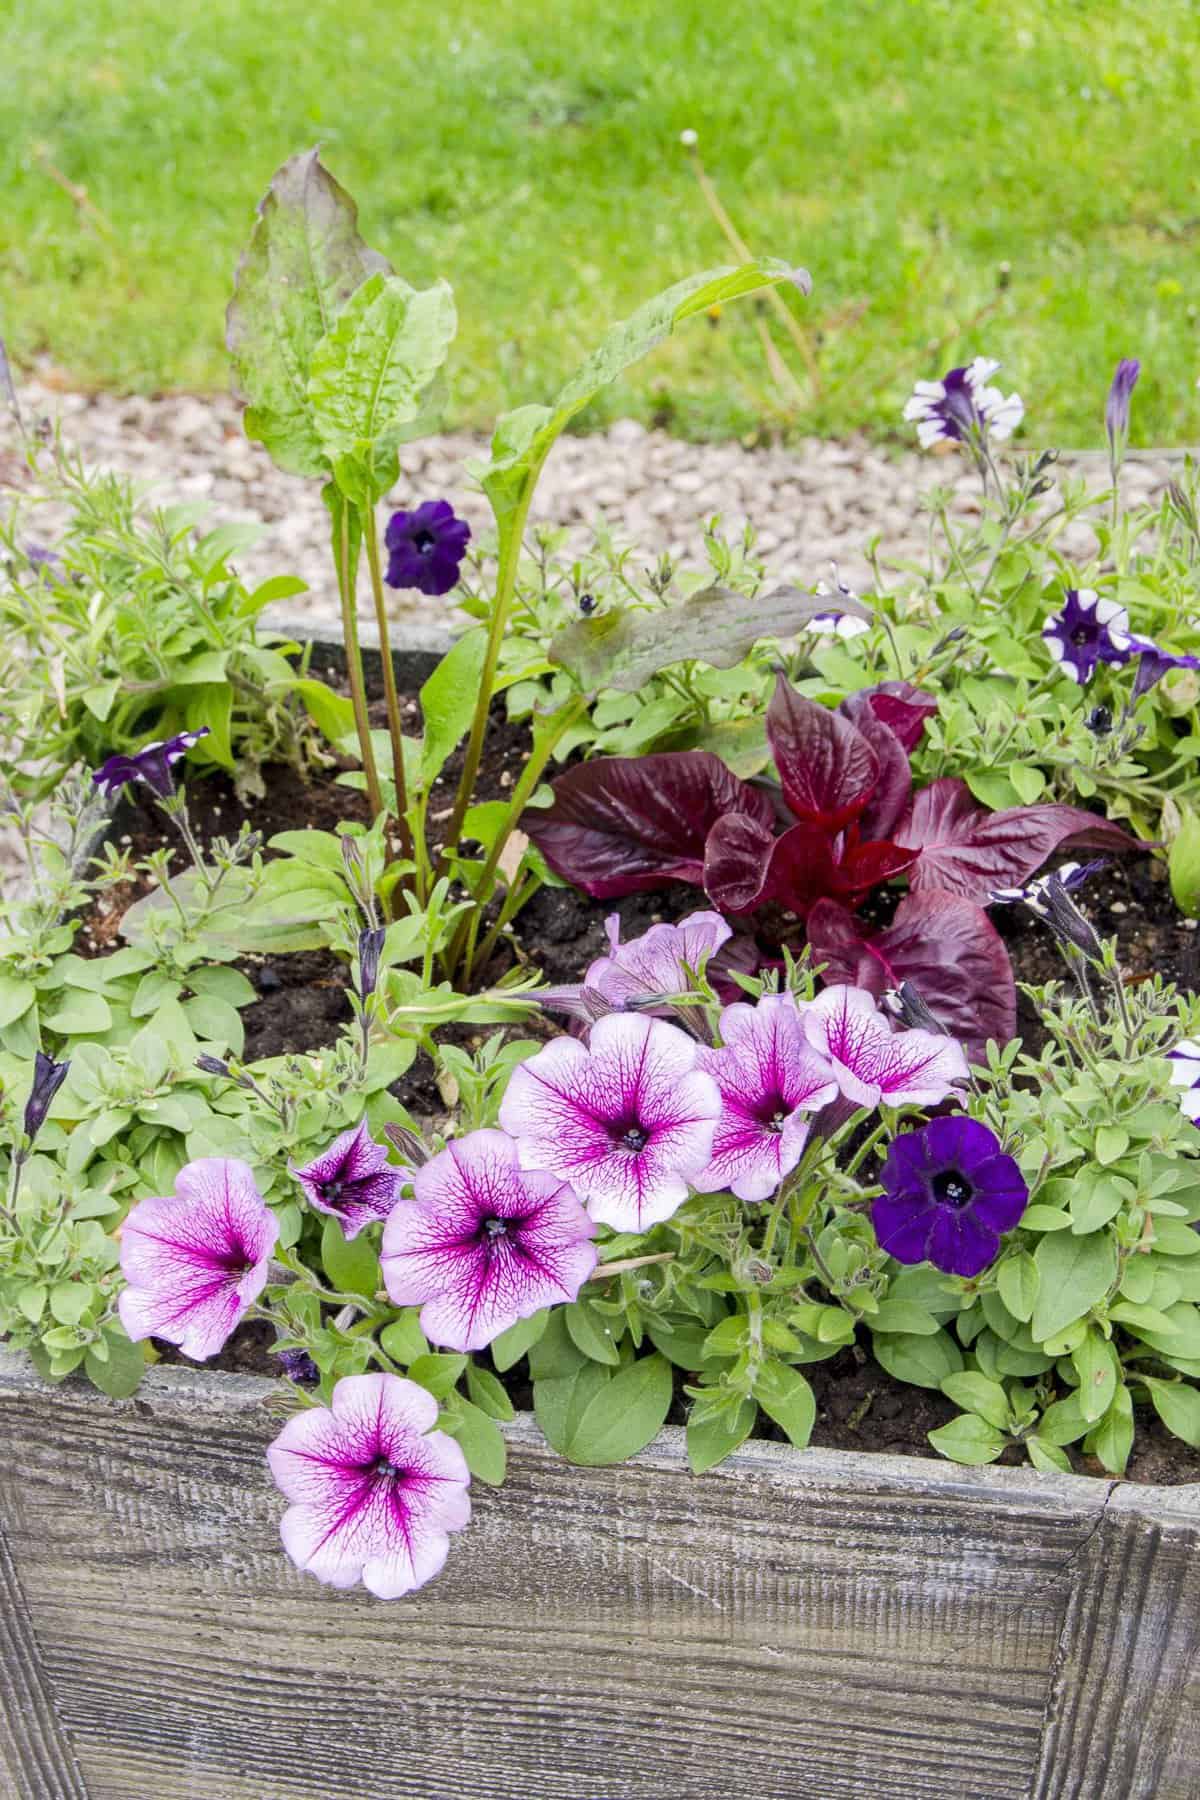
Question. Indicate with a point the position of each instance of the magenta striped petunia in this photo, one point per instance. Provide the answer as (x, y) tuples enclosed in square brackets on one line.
[(484, 1242), (353, 1181), (771, 1081), (375, 1490), (628, 1120), (195, 1261), (873, 1064)]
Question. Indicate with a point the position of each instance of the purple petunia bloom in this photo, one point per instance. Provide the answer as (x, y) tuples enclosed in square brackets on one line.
[(1116, 409), (1185, 1063), (836, 622), (872, 1064), (48, 1077), (152, 764), (485, 1242), (658, 961), (426, 547), (962, 408), (628, 1120), (1153, 664), (374, 1489), (299, 1367), (770, 1079), (197, 1260), (1088, 631), (949, 1192), (353, 1181)]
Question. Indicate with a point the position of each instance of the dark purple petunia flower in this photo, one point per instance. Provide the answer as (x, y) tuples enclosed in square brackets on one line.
[(299, 1367), (426, 547), (48, 1077), (1153, 664), (195, 1261), (1116, 411), (962, 407), (353, 1180), (375, 1490), (152, 764), (485, 1243), (949, 1192), (1088, 631)]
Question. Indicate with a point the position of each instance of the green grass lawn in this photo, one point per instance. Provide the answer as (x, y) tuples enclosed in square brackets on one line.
[(921, 157)]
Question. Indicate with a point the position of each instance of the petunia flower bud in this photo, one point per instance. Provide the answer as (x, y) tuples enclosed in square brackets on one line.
[(48, 1077), (1116, 411), (370, 947)]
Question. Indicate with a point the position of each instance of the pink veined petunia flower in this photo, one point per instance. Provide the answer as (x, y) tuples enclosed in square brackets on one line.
[(628, 1120), (196, 1261), (353, 1180), (874, 1064), (375, 1490), (485, 1242), (656, 962), (770, 1079)]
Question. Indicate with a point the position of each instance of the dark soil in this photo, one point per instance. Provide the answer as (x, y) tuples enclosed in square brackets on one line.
[(303, 1004)]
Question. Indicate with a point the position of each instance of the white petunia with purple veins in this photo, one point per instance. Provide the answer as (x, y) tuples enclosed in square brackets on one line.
[(771, 1081), (628, 1120), (195, 1261), (873, 1064), (485, 1242), (353, 1180), (658, 961), (375, 1491)]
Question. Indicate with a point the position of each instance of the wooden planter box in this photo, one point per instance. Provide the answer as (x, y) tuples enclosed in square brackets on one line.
[(792, 1626), (815, 1626)]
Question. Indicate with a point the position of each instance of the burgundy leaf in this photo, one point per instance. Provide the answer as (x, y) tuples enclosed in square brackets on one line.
[(894, 784), (964, 849), (736, 859), (867, 866), (827, 769), (625, 825), (904, 708), (944, 945)]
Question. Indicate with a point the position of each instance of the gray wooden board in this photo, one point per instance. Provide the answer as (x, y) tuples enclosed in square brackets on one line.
[(823, 1626)]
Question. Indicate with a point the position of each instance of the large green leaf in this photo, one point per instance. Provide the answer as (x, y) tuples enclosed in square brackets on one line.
[(372, 374), (1074, 1274), (624, 648), (301, 265), (523, 438), (448, 701)]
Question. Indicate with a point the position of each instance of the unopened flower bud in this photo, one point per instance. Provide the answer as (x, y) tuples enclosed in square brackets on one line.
[(411, 1148), (1068, 922), (48, 1077), (370, 947), (1099, 721), (212, 1065), (905, 1003)]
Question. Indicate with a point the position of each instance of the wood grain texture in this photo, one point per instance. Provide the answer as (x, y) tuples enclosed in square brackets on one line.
[(36, 1761), (816, 1627)]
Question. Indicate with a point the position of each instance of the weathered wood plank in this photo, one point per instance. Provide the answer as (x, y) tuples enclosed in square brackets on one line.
[(1124, 1716), (36, 1761), (827, 1625)]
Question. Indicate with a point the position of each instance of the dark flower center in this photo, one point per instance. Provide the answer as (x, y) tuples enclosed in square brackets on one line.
[(951, 1188), (772, 1113), (633, 1138), (1083, 635), (423, 541), (496, 1228), (385, 1467)]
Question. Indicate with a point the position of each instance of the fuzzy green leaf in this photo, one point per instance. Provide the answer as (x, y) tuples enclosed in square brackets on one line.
[(371, 375), (1074, 1273)]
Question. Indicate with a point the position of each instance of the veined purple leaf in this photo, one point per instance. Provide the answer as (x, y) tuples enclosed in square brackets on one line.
[(893, 786), (737, 858), (827, 769), (625, 825), (966, 850), (902, 707), (946, 946)]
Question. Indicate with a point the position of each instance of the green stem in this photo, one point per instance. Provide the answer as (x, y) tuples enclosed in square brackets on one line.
[(506, 587), (358, 691), (395, 724)]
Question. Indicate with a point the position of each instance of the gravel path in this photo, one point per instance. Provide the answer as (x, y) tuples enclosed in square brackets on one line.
[(817, 501)]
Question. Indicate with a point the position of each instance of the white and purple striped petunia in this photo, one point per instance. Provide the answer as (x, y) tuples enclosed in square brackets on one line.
[(771, 1079), (353, 1180), (375, 1491), (1087, 631), (962, 407), (195, 1261), (1185, 1063), (628, 1120), (875, 1065), (485, 1242)]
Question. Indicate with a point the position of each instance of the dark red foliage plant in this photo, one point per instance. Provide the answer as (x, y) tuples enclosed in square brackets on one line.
[(843, 820)]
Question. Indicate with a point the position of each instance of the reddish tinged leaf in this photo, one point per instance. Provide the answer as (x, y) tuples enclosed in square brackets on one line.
[(966, 850), (946, 946), (893, 785), (625, 825), (902, 707), (827, 769), (736, 860)]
